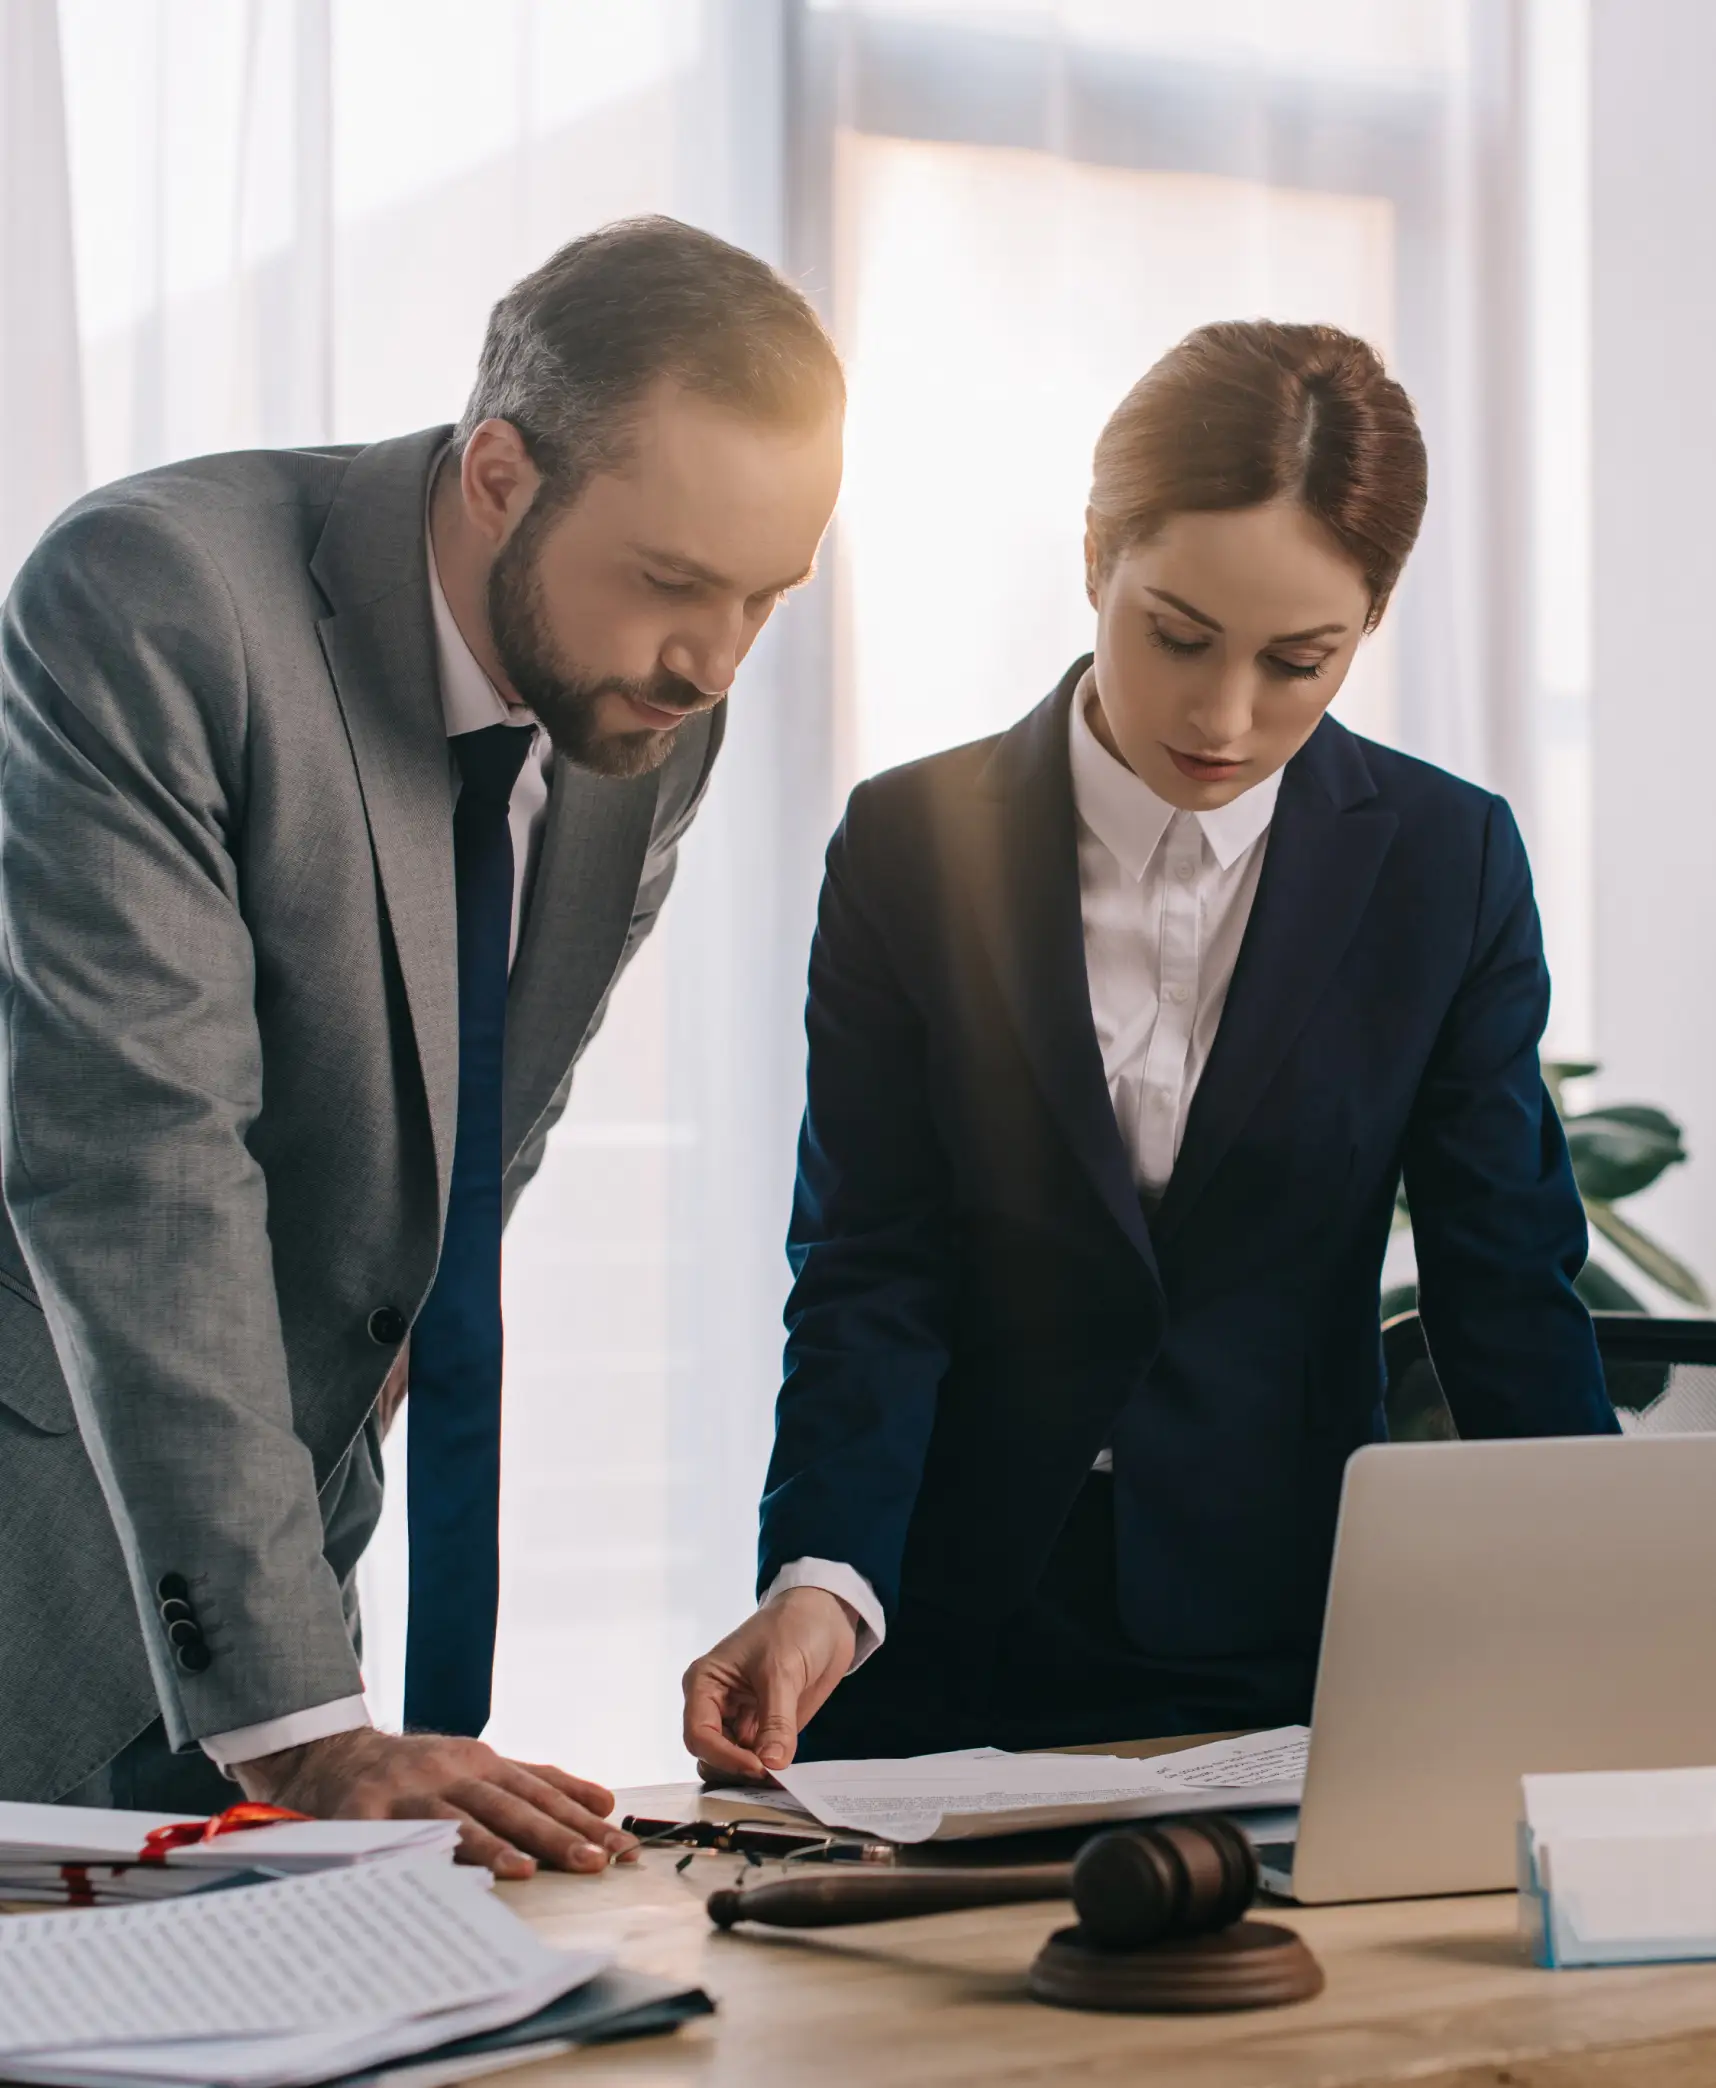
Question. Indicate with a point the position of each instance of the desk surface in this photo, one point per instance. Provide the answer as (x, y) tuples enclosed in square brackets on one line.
[(1436, 1992)]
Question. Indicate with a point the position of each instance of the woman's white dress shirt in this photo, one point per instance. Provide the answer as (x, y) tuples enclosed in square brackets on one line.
[(1166, 896)]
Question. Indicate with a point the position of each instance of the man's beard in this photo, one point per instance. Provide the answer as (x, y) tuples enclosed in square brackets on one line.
[(564, 699)]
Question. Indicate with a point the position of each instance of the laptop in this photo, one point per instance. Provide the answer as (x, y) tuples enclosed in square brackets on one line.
[(1498, 1609)]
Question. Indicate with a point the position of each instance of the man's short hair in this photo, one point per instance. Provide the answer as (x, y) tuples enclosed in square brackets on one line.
[(571, 350)]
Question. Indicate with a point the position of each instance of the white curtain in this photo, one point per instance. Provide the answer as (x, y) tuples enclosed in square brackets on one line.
[(41, 406), (278, 221)]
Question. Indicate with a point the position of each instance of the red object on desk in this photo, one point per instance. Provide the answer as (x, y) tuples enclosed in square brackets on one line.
[(180, 1834)]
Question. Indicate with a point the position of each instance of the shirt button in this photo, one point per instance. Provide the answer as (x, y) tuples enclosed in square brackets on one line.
[(1184, 873), (1177, 994)]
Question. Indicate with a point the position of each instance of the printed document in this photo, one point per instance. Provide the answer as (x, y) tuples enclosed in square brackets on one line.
[(983, 1791), (272, 1984), (85, 1856)]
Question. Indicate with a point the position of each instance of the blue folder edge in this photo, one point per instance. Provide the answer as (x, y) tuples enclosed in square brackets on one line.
[(614, 2005)]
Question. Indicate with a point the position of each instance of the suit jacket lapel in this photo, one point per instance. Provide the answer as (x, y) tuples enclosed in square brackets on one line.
[(574, 932), (380, 648), (1027, 899), (1326, 845)]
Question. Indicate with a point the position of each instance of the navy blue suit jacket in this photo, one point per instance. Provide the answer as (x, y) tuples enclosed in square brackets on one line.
[(982, 1303)]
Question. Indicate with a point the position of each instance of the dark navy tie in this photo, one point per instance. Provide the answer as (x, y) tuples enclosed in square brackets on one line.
[(453, 1439)]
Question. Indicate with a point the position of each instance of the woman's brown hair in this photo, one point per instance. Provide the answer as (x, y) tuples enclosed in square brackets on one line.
[(1251, 411)]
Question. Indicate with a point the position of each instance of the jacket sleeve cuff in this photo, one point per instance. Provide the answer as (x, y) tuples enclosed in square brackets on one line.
[(246, 1743), (846, 1582)]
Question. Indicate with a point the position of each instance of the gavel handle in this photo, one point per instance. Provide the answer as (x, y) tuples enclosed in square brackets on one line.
[(832, 1899)]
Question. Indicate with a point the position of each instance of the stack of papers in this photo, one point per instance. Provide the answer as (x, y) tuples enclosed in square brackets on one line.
[(1619, 1867), (286, 1983), (612, 2008), (81, 1856), (982, 1791)]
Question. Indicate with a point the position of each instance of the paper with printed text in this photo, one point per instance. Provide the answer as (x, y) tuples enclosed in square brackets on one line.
[(982, 1791)]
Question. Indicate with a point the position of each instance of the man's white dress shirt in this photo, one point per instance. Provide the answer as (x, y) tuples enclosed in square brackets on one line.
[(469, 702), (1165, 897)]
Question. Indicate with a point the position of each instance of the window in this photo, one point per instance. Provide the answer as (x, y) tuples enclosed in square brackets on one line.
[(995, 305), (1014, 208)]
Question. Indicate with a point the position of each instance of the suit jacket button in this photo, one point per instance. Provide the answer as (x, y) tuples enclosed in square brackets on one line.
[(387, 1326), (182, 1632), (173, 1587), (172, 1610), (194, 1659)]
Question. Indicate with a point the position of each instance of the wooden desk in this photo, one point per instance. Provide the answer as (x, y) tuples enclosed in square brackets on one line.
[(1436, 1992)]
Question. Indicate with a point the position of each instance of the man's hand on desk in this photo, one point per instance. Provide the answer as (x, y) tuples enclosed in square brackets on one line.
[(748, 1699), (513, 1814)]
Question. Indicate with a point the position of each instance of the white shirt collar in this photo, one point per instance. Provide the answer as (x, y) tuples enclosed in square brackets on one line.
[(469, 700), (1129, 819)]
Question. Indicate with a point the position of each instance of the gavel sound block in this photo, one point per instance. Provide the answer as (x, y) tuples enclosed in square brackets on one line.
[(1160, 1923)]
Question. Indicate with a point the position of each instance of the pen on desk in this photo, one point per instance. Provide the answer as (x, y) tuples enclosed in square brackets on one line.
[(740, 1838)]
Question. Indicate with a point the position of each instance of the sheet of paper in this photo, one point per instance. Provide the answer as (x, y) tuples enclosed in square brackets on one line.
[(76, 1833), (1627, 1862), (95, 1884), (344, 1949), (31, 1834), (1655, 1893), (304, 1845), (286, 2062), (1621, 1801), (1254, 1759), (982, 1790), (761, 1801)]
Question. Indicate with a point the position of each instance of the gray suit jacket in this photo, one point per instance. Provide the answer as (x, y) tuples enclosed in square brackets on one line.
[(230, 1034)]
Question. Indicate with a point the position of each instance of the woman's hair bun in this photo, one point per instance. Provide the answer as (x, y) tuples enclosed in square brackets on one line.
[(1251, 411)]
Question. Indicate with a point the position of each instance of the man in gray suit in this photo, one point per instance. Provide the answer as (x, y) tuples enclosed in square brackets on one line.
[(337, 787)]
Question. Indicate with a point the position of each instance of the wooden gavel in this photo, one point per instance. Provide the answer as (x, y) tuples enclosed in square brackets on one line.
[(1131, 1887)]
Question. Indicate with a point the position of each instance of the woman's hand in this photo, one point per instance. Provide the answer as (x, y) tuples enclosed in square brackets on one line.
[(747, 1700)]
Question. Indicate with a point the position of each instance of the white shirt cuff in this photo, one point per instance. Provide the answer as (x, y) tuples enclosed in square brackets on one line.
[(835, 1578), (246, 1743)]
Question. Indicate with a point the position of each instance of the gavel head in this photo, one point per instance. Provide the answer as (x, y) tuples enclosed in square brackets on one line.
[(1140, 1885)]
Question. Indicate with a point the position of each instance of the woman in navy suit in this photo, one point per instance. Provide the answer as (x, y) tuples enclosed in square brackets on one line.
[(1124, 1027)]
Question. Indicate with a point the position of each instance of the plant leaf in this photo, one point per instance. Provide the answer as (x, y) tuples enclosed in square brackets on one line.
[(1557, 1073), (1602, 1292), (1644, 1253), (1645, 1114), (1616, 1155)]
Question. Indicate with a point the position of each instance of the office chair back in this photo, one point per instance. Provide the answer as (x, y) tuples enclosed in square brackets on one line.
[(1661, 1375)]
